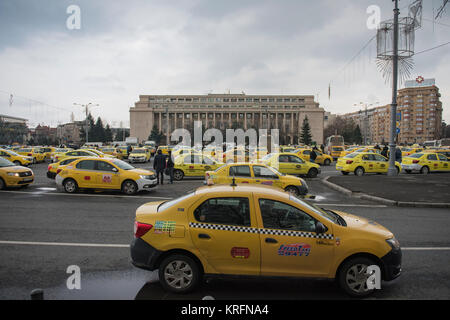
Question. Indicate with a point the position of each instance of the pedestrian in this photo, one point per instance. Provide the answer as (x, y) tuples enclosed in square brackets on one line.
[(313, 156), (159, 164), (398, 155), (377, 147), (170, 166), (384, 152), (322, 147), (129, 150)]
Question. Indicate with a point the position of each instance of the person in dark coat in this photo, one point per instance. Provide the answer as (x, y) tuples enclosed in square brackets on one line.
[(313, 156), (384, 152), (170, 166), (129, 150), (159, 164), (398, 155)]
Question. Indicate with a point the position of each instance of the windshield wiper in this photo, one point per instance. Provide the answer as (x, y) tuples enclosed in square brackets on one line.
[(339, 219)]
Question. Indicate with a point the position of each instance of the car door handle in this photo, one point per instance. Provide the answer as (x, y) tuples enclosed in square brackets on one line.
[(271, 240), (204, 236)]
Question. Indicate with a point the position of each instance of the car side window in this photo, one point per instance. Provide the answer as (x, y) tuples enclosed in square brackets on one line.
[(208, 161), (230, 211), (86, 165), (294, 159), (104, 166), (442, 157), (283, 158), (307, 152), (279, 215), (240, 171), (67, 161), (431, 157), (263, 172)]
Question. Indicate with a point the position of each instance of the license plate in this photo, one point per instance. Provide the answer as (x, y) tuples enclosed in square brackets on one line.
[(28, 179)]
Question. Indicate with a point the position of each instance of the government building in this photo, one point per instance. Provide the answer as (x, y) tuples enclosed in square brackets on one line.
[(227, 111)]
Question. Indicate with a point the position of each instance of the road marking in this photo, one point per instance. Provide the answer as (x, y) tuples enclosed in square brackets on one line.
[(350, 205), (82, 195), (108, 245)]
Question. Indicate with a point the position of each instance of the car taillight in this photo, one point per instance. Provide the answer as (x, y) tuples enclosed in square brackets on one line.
[(349, 162), (30, 154), (49, 167), (415, 161), (141, 229), (58, 171)]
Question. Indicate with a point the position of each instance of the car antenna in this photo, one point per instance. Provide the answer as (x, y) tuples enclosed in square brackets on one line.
[(233, 183)]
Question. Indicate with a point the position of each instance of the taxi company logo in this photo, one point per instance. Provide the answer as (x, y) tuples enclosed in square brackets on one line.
[(107, 178), (164, 226), (296, 249), (242, 253)]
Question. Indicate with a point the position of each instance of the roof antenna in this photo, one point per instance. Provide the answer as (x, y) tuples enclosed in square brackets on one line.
[(233, 183)]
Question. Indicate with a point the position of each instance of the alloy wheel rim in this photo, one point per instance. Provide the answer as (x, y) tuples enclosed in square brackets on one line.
[(177, 175), (178, 274), (356, 278), (70, 186), (129, 187)]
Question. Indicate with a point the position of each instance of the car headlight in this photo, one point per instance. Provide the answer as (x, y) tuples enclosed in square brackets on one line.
[(149, 177), (304, 183), (393, 243), (13, 174)]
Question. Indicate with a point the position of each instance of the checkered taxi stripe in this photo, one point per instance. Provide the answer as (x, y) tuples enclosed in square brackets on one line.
[(260, 231)]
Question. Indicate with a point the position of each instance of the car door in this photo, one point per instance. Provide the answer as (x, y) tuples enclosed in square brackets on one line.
[(284, 165), (444, 162), (263, 175), (84, 174), (367, 162), (224, 230), (381, 163), (107, 176), (299, 166), (289, 243), (432, 162), (241, 173)]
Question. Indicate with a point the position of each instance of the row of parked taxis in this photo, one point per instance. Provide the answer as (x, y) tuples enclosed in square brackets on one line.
[(362, 160)]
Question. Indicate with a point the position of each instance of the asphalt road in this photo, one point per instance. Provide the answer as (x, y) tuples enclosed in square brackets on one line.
[(43, 231)]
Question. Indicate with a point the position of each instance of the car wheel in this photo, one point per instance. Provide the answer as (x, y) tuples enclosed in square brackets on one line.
[(70, 186), (345, 173), (17, 163), (359, 171), (178, 175), (2, 184), (179, 273), (425, 170), (292, 190), (129, 187), (312, 173), (352, 277), (408, 171), (327, 162)]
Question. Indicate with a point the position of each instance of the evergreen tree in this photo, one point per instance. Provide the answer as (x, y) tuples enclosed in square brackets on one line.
[(305, 135), (98, 132), (357, 136), (154, 135), (90, 127), (108, 134)]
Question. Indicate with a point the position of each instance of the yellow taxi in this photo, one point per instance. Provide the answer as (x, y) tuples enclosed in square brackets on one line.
[(58, 152), (139, 155), (287, 149), (104, 173), (35, 153), (236, 155), (16, 158), (122, 152), (181, 150), (111, 151), (409, 151), (256, 173), (426, 162), (193, 165), (48, 152), (349, 150), (290, 163), (164, 149), (75, 153), (247, 231), (99, 153), (444, 151), (12, 175), (336, 152), (364, 162), (323, 159)]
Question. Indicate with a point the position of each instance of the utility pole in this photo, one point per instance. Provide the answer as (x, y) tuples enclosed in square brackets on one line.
[(167, 125), (86, 107), (392, 171)]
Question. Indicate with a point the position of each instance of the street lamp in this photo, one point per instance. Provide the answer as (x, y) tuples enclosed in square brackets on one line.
[(86, 107)]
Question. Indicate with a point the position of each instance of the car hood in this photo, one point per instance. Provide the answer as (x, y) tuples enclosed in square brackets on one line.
[(141, 171), (16, 169), (363, 224)]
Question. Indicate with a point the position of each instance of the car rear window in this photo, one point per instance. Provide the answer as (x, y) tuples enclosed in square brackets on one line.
[(171, 203), (416, 155), (351, 155)]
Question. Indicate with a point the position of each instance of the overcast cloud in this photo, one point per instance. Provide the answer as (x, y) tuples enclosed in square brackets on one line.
[(128, 48)]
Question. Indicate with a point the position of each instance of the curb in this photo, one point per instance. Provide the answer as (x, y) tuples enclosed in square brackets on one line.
[(385, 201)]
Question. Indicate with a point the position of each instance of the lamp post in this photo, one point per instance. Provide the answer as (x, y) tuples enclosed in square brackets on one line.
[(392, 171), (86, 107)]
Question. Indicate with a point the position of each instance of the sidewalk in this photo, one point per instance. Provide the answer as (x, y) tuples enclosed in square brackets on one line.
[(415, 190)]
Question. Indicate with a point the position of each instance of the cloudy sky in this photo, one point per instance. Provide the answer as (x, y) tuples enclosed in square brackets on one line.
[(127, 48)]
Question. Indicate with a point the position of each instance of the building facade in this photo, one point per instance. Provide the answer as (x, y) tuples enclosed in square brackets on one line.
[(227, 111), (419, 115), (69, 132)]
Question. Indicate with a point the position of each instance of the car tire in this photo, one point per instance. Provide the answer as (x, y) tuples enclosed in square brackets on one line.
[(17, 163), (350, 277), (312, 173), (70, 186), (2, 184), (408, 171), (327, 162), (178, 175), (359, 171), (129, 187), (425, 170), (292, 190), (345, 173), (179, 273)]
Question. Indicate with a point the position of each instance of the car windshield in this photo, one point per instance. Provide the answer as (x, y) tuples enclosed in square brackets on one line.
[(326, 214), (6, 163), (61, 150), (168, 204), (12, 153), (416, 155), (138, 151), (24, 150), (267, 157), (351, 155), (123, 165), (276, 171)]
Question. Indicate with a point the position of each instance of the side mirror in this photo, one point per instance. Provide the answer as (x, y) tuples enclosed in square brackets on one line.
[(115, 170), (320, 228)]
